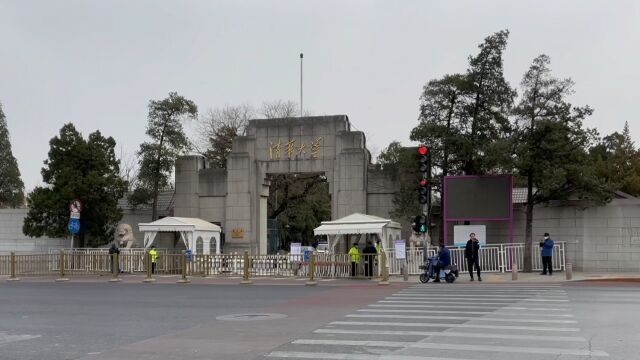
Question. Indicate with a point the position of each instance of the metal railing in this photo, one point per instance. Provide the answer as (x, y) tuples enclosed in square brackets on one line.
[(493, 258)]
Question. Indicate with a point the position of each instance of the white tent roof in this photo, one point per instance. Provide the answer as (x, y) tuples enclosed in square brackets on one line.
[(171, 224), (355, 223)]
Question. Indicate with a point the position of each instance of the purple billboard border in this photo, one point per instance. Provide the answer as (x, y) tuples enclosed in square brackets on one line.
[(447, 220)]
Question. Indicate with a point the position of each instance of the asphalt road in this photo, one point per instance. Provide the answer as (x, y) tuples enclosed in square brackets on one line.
[(464, 320)]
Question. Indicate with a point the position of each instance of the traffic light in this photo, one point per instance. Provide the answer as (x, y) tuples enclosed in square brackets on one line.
[(419, 224), (423, 191), (424, 164)]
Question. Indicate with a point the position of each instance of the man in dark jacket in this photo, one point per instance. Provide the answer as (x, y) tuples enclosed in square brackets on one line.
[(546, 250), (444, 260), (471, 254), (113, 250), (369, 253)]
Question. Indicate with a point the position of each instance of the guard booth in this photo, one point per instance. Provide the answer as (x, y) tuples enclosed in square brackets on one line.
[(199, 236)]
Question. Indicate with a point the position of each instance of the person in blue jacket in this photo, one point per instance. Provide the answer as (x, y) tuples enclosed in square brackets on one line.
[(546, 250), (444, 260)]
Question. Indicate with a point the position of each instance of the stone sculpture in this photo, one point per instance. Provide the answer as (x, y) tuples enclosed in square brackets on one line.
[(124, 236)]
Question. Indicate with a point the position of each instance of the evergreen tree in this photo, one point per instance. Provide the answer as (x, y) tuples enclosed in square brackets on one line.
[(551, 145), (77, 169), (158, 157), (11, 186), (488, 100)]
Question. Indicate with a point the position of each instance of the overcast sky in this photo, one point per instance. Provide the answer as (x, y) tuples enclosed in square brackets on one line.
[(98, 63)]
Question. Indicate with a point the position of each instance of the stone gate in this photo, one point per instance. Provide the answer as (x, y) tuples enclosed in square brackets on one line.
[(236, 197)]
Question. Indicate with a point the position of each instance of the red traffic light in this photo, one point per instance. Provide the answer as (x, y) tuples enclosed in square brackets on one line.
[(422, 150), (424, 182)]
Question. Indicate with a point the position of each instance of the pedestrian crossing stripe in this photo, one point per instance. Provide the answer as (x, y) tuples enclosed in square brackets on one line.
[(442, 346), (452, 334), (449, 325), (468, 305), (492, 310), (461, 312), (341, 356), (474, 318)]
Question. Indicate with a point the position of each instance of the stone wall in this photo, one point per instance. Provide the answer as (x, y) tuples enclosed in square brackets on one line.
[(598, 238), (12, 239)]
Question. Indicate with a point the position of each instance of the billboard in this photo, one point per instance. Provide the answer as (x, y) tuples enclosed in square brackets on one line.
[(477, 197)]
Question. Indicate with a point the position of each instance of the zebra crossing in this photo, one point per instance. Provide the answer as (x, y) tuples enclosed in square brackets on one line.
[(461, 322)]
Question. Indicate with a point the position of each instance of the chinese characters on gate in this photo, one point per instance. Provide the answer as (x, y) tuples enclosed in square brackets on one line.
[(291, 149)]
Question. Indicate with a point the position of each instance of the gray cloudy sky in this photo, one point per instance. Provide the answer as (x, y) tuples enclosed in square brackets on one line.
[(98, 63)]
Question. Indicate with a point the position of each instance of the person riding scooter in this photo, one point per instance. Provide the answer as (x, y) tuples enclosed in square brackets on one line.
[(444, 260)]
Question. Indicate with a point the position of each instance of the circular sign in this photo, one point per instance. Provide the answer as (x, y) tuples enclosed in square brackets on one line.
[(75, 206), (74, 226)]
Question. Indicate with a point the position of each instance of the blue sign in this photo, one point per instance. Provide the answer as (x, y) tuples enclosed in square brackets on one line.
[(74, 226), (307, 255), (189, 255)]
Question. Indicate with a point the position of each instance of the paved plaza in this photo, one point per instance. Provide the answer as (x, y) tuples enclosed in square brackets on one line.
[(334, 320)]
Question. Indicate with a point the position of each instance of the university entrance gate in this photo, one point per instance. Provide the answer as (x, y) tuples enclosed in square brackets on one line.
[(236, 197)]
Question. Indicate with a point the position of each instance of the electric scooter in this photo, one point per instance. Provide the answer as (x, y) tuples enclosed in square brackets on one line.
[(448, 273)]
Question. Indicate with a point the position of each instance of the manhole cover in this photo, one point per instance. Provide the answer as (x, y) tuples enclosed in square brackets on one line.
[(251, 317)]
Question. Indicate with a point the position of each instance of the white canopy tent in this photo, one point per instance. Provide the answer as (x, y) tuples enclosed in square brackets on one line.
[(360, 224), (196, 234)]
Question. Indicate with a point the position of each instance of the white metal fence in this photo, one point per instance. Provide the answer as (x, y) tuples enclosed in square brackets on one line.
[(493, 258)]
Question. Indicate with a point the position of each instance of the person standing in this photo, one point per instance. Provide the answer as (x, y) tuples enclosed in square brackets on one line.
[(354, 253), (471, 253), (546, 247), (369, 253), (154, 259), (113, 250)]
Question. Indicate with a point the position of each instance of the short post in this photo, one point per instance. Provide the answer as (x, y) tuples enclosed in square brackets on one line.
[(183, 263), (312, 271), (147, 257), (245, 275), (514, 268), (13, 268), (405, 271), (115, 269), (568, 271), (385, 271), (62, 278)]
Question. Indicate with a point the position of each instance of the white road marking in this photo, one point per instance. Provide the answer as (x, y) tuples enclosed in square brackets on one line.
[(468, 305), (484, 335), (441, 346), (507, 296), (471, 301), (342, 356), (465, 325), (5, 338), (462, 312), (435, 317)]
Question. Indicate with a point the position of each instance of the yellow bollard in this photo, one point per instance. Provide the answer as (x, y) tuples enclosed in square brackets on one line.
[(183, 263), (148, 279), (245, 275), (62, 278), (312, 271), (13, 268), (115, 269), (385, 271)]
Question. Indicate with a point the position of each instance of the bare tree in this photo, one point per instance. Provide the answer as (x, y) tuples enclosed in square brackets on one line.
[(220, 126), (280, 109)]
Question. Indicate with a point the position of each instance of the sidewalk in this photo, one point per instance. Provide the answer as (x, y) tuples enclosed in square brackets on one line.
[(395, 280), (537, 278)]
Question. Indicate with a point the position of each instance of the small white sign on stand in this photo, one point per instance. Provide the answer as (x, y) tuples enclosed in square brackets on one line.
[(296, 248), (401, 249)]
